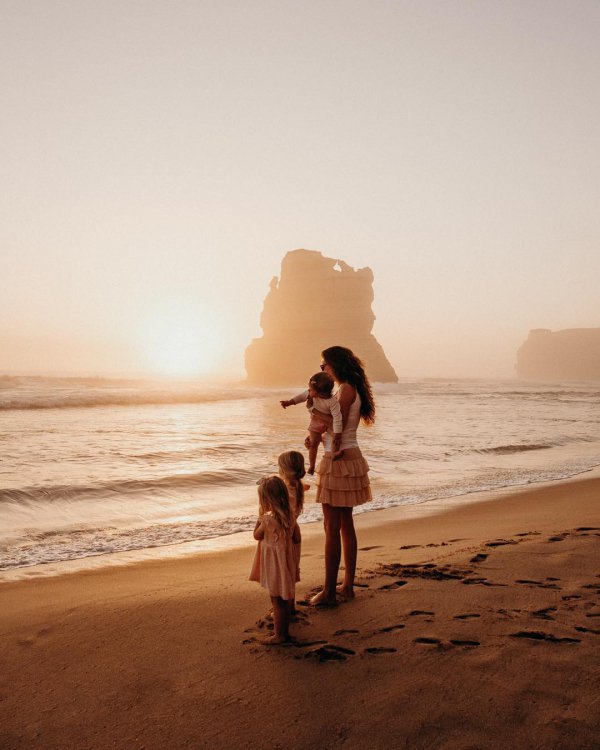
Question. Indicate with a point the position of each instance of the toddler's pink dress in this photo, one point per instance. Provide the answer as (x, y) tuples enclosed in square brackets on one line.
[(274, 565)]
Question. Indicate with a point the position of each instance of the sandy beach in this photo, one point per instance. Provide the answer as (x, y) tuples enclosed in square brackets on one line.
[(476, 626)]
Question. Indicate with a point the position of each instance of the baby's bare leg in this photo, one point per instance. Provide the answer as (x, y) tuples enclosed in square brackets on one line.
[(315, 439)]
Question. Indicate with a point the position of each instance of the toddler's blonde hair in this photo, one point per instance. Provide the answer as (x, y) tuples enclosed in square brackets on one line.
[(273, 497), (291, 467)]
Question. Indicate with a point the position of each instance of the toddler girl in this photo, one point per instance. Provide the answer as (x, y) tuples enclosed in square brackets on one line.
[(325, 415), (274, 565), (291, 470)]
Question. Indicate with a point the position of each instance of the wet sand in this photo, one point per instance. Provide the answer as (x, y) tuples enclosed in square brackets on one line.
[(475, 627)]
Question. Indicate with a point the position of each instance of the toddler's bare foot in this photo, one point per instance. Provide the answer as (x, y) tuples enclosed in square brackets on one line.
[(310, 470), (275, 640), (347, 592), (322, 600)]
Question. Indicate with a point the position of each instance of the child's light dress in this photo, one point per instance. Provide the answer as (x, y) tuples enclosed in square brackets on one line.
[(275, 565)]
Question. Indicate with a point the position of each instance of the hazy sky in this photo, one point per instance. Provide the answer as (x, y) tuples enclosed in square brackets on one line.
[(159, 157)]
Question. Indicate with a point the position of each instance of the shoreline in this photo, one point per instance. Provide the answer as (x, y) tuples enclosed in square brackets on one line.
[(241, 539), (477, 627)]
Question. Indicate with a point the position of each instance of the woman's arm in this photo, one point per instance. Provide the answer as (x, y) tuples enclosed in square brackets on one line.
[(336, 414)]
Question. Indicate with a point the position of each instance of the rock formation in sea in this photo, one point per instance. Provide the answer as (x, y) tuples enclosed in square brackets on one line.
[(316, 302), (571, 354)]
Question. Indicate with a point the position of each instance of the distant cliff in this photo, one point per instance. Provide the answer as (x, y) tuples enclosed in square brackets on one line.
[(572, 354), (317, 302)]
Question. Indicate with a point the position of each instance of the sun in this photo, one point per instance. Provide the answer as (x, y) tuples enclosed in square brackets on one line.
[(180, 343)]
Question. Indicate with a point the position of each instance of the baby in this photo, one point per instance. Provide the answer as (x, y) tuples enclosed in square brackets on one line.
[(325, 415)]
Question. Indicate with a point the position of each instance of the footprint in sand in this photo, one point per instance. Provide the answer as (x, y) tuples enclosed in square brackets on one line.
[(394, 585), (537, 635), (481, 582), (479, 558), (380, 650), (465, 643), (366, 549), (390, 628), (416, 612), (558, 538), (410, 546), (466, 616), (500, 542), (330, 652), (428, 640), (581, 629), (544, 614), (539, 584)]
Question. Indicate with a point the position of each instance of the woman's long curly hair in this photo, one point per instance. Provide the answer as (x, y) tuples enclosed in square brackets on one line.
[(348, 368)]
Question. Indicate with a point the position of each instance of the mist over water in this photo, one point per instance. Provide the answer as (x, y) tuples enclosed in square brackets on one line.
[(91, 467)]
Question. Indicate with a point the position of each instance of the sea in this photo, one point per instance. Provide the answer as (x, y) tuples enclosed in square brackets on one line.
[(93, 467)]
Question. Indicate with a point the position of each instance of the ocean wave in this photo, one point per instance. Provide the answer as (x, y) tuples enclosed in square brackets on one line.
[(519, 448), (233, 449), (61, 545), (37, 392), (128, 487), (75, 544), (114, 398), (30, 393)]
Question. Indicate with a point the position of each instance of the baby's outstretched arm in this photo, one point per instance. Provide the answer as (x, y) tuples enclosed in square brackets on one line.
[(300, 398)]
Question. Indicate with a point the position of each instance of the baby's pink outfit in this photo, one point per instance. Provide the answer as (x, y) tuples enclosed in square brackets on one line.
[(324, 405), (275, 564)]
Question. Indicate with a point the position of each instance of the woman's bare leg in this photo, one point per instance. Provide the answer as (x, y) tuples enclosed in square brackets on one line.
[(333, 552), (349, 545)]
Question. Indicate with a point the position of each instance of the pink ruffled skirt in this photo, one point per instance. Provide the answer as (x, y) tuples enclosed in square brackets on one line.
[(343, 483)]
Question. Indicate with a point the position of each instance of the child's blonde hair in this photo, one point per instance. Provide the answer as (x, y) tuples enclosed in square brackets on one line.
[(291, 467), (273, 497)]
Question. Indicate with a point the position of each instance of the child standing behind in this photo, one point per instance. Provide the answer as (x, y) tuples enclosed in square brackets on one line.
[(274, 565), (325, 415), (291, 470)]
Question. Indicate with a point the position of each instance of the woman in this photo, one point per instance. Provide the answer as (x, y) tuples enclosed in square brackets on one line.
[(344, 483)]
